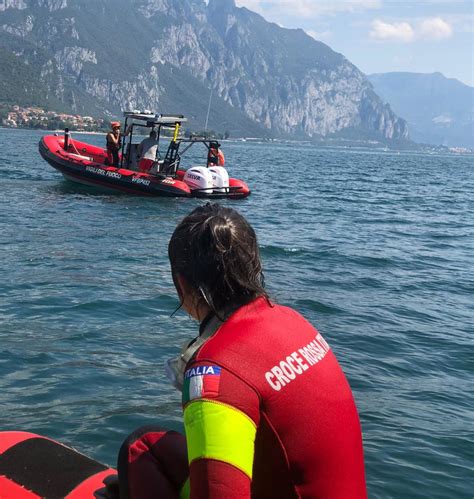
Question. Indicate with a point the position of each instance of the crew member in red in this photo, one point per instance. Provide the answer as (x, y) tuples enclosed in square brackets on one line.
[(268, 412), (215, 156), (113, 144)]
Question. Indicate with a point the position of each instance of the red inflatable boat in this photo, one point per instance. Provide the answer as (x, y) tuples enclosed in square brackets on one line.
[(33, 467), (89, 164)]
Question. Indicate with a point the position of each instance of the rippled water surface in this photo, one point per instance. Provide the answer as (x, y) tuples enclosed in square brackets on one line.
[(375, 248)]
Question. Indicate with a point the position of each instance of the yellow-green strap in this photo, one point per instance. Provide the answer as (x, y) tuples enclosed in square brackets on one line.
[(215, 430)]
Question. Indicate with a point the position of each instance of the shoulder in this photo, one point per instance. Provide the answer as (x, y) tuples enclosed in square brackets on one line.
[(256, 338), (255, 324)]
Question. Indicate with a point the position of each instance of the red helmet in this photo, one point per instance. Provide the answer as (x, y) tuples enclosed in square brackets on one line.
[(115, 124)]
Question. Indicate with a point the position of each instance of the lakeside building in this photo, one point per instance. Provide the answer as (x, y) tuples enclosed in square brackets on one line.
[(36, 117)]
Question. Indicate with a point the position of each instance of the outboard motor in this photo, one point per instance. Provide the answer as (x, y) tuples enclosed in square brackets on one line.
[(199, 177), (220, 178)]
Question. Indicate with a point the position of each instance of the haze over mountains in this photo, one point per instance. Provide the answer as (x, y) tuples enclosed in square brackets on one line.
[(439, 110), (166, 55)]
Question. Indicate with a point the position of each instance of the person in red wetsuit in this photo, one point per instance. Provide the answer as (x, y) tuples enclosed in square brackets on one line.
[(268, 412)]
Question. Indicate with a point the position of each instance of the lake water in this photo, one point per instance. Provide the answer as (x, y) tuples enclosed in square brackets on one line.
[(375, 248)]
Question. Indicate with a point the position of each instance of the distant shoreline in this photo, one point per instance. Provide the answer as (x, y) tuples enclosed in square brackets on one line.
[(58, 131), (423, 148)]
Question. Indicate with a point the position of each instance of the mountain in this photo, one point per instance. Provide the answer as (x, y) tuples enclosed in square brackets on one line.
[(166, 55), (439, 110)]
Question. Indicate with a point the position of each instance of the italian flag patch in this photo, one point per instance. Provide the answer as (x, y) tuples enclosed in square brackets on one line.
[(201, 382)]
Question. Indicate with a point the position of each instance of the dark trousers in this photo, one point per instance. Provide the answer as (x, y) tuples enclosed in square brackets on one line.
[(113, 157)]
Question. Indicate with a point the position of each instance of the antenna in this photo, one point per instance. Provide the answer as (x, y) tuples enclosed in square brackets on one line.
[(208, 110)]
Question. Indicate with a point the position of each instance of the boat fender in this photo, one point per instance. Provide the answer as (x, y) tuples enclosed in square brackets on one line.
[(199, 177), (220, 178), (81, 157)]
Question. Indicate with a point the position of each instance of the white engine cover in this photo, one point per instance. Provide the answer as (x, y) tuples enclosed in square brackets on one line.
[(220, 178), (199, 177)]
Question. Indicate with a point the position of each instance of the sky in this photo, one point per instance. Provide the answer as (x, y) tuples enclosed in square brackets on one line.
[(380, 36)]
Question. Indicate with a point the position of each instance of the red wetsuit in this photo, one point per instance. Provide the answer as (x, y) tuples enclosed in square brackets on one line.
[(268, 412)]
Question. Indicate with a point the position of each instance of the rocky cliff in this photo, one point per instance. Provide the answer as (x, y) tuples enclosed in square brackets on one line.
[(167, 55)]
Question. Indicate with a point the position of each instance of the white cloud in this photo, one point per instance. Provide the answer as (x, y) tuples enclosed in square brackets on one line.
[(432, 28), (435, 28), (401, 32)]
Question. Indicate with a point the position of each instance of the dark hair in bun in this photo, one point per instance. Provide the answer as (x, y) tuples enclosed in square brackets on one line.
[(215, 249)]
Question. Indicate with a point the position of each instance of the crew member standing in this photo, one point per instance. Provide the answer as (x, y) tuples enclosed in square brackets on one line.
[(113, 139)]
